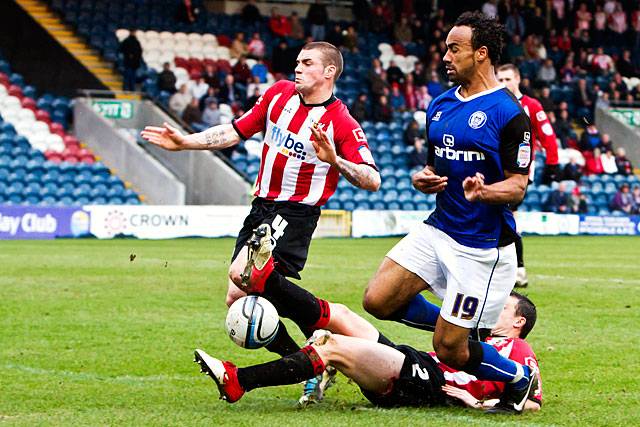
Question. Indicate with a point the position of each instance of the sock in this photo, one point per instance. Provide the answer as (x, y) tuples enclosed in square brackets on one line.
[(296, 303), (519, 252), (419, 313), (487, 364), (282, 343), (291, 369)]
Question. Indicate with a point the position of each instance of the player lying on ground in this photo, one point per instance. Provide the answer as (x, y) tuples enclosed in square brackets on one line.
[(310, 139), (390, 375)]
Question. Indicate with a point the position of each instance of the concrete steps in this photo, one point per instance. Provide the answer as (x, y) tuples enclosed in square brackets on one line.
[(78, 47)]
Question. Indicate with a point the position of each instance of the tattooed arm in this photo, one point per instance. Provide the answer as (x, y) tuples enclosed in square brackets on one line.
[(361, 175), (170, 138)]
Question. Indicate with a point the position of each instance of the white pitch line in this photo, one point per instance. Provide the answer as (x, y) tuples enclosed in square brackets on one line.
[(586, 279)]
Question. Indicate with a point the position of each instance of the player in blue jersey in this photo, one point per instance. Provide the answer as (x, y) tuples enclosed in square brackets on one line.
[(478, 163)]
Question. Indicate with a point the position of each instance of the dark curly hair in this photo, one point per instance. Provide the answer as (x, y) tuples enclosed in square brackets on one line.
[(485, 31)]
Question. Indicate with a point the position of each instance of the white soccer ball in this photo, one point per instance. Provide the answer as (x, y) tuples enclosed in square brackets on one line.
[(252, 322)]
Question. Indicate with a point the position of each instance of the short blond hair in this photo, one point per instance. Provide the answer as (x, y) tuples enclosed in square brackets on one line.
[(331, 55), (509, 67)]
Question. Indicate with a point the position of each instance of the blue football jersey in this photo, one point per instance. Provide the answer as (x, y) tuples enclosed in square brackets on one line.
[(488, 132)]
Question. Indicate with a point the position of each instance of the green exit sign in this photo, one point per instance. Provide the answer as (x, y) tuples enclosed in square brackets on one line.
[(114, 109)]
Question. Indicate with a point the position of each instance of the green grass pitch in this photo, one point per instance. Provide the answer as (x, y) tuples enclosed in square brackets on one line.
[(90, 337)]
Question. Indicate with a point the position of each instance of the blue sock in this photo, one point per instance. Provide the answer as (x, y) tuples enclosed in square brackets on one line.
[(495, 367), (419, 313)]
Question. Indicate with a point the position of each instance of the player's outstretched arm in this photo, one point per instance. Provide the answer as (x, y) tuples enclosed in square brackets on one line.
[(361, 175), (510, 190), (170, 138)]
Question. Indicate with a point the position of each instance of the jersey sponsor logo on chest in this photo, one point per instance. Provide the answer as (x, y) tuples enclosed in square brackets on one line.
[(450, 153), (287, 144)]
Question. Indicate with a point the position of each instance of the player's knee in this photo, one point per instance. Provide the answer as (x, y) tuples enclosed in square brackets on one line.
[(235, 275), (451, 352), (375, 306)]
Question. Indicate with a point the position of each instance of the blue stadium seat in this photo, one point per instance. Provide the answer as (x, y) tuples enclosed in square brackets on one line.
[(393, 206), (348, 205)]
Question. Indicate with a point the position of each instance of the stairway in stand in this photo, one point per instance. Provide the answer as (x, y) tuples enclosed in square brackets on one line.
[(65, 35)]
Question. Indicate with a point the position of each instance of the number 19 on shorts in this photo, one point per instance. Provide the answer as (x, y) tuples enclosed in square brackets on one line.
[(464, 307)]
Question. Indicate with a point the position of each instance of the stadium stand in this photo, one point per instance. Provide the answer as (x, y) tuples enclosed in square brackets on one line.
[(40, 162), (582, 74)]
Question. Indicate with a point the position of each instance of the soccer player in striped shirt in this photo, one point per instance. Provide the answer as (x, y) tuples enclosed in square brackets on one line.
[(310, 139)]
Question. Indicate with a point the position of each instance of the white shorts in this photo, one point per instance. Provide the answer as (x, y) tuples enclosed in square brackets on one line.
[(472, 283)]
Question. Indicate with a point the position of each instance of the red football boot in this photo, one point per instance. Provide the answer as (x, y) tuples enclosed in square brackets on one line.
[(260, 262), (225, 374)]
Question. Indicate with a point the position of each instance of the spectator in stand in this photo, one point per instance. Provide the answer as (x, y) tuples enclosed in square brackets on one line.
[(412, 132), (434, 86), (568, 71), (635, 195), (578, 202), (534, 50), (179, 100), (545, 100), (260, 71), (409, 93), (547, 73), (535, 22), (623, 163), (166, 79), (514, 24), (317, 19), (297, 29), (635, 28), (378, 83), (623, 200), (572, 170), (238, 47), (186, 12), (198, 88), (490, 9), (592, 162), (419, 74), (599, 26), (192, 113), (211, 115), (608, 161), (279, 24), (618, 84), (251, 87), (558, 200), (584, 99), (563, 128), (618, 25), (601, 62), (281, 60), (625, 65), (250, 15), (350, 41), (423, 98), (420, 33), (241, 71), (212, 93), (515, 49), (210, 75), (418, 157), (402, 31), (582, 42), (360, 108), (396, 99), (382, 111), (394, 73), (563, 41), (559, 12), (132, 59), (605, 143), (256, 47), (335, 35), (230, 92), (251, 100), (583, 18), (590, 138)]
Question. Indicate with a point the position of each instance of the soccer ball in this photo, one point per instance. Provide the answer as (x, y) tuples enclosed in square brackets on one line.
[(252, 322)]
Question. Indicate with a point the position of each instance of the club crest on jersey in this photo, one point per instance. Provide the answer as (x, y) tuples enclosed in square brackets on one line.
[(477, 120), (436, 117)]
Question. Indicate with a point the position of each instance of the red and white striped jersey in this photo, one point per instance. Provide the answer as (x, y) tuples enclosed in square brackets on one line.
[(289, 168), (543, 134), (515, 349)]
